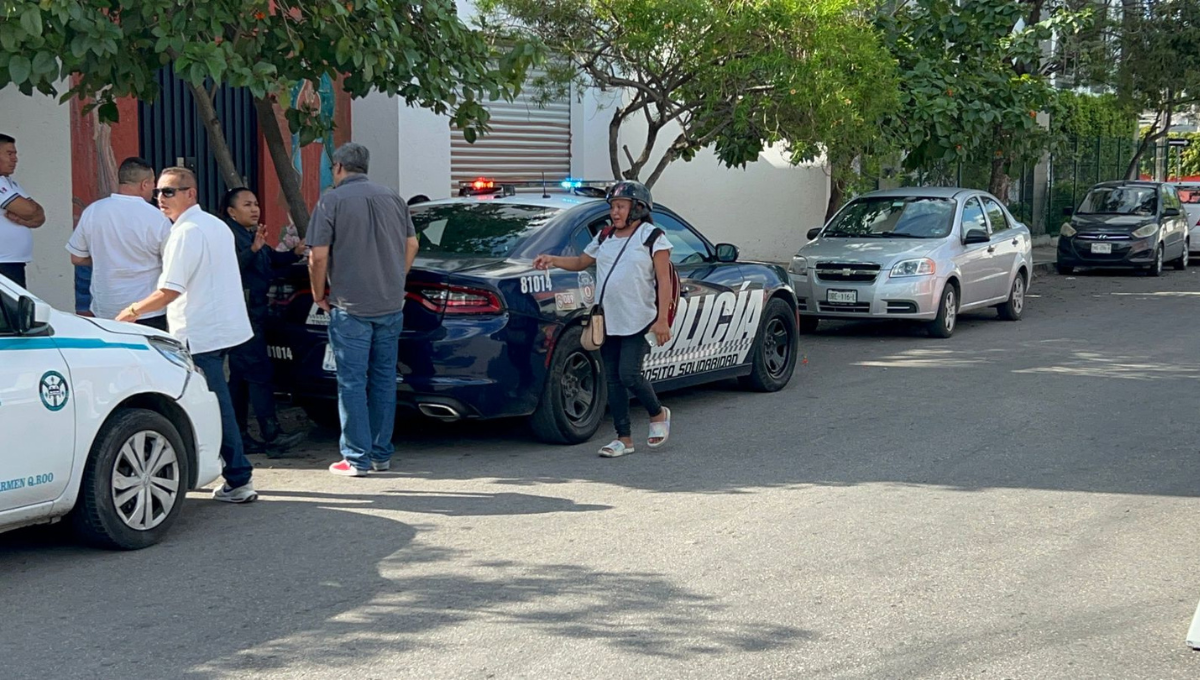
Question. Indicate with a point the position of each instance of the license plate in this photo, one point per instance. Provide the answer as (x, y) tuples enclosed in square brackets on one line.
[(330, 363), (1102, 248), (842, 297)]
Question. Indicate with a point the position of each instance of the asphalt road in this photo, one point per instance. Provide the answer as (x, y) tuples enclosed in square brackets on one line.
[(1019, 501)]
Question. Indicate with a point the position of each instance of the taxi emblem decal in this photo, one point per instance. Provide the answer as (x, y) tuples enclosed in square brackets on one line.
[(54, 391)]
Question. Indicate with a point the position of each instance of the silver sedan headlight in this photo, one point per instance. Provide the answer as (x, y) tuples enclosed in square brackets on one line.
[(799, 266), (919, 267), (173, 351)]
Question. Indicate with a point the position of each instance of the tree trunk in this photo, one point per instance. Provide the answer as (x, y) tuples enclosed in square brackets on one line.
[(837, 192), (998, 183), (1131, 171), (289, 180), (216, 136)]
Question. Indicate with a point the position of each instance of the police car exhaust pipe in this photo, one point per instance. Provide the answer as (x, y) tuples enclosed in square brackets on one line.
[(439, 411)]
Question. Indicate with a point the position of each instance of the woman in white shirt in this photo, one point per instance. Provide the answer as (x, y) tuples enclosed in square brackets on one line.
[(635, 289)]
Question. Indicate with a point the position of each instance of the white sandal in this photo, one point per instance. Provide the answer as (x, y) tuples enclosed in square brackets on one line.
[(615, 449), (660, 430)]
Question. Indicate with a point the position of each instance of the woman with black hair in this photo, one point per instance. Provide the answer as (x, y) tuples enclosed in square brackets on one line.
[(249, 365)]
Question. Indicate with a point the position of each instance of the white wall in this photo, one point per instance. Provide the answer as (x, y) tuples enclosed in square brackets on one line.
[(410, 147), (764, 209), (42, 129)]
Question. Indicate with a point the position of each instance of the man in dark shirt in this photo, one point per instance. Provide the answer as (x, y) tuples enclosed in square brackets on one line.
[(363, 245), (249, 365)]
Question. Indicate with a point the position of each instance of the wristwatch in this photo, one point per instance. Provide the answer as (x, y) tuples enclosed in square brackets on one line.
[(133, 310)]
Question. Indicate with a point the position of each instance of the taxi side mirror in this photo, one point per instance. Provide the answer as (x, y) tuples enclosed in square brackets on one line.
[(1171, 212), (33, 316), (976, 236), (814, 232)]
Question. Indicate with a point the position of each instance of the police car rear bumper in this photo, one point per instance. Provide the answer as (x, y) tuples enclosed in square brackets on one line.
[(202, 408)]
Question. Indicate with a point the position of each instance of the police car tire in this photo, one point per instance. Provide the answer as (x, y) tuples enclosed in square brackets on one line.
[(94, 516), (550, 422), (760, 379)]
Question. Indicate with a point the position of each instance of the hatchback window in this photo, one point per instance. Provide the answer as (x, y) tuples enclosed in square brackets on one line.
[(894, 217), (1121, 200), (480, 229)]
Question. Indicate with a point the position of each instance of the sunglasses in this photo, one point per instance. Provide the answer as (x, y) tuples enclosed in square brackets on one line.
[(169, 192)]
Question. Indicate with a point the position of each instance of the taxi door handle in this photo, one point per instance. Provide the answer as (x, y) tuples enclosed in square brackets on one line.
[(1015, 242), (991, 249)]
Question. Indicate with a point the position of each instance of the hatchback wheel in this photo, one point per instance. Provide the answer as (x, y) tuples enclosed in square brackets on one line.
[(1184, 259), (134, 483), (1156, 269)]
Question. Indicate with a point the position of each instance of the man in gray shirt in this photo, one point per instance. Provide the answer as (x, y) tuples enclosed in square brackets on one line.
[(363, 241)]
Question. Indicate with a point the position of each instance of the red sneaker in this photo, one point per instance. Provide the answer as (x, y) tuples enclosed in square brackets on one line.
[(345, 469)]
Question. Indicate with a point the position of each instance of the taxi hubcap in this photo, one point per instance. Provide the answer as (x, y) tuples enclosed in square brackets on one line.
[(145, 480)]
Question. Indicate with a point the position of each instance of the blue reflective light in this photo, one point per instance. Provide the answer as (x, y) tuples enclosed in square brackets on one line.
[(569, 183)]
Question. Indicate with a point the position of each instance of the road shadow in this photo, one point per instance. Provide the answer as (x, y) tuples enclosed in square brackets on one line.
[(310, 580)]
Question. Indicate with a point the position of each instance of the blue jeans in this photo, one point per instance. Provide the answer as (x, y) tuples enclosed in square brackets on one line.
[(366, 350), (237, 470)]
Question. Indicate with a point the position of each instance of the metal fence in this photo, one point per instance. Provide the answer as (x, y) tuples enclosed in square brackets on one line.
[(1038, 192)]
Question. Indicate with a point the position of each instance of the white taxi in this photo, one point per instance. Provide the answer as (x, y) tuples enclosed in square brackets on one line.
[(105, 424)]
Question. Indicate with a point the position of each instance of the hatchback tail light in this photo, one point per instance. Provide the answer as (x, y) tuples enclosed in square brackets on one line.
[(446, 299)]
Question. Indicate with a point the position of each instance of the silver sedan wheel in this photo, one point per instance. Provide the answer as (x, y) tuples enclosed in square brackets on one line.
[(145, 480), (951, 309), (1018, 294)]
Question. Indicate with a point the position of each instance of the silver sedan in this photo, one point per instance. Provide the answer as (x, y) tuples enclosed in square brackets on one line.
[(920, 253)]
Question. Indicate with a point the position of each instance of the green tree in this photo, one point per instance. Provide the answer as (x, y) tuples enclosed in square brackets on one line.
[(975, 78), (732, 75), (418, 50)]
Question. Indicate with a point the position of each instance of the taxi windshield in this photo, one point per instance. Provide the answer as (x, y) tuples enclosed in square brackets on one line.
[(483, 229), (894, 217)]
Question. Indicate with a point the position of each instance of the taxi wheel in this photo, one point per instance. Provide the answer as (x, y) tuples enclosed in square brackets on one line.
[(1184, 259), (947, 316), (134, 483), (774, 353), (573, 399), (1156, 269)]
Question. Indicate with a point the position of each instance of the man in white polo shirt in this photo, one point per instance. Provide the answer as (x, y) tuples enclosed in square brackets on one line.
[(18, 215), (122, 238), (201, 289)]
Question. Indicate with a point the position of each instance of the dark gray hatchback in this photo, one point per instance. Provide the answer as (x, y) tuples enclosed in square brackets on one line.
[(1125, 224)]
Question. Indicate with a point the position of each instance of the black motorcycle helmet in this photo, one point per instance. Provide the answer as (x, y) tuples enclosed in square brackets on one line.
[(643, 203)]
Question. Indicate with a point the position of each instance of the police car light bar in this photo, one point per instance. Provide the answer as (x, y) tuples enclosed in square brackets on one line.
[(484, 186)]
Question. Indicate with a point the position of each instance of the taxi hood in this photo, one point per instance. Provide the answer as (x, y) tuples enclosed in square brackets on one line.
[(121, 328)]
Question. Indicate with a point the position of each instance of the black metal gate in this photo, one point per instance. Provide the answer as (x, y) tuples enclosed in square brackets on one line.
[(170, 133)]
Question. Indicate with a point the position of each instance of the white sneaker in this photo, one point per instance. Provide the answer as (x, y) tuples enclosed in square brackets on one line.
[(381, 467), (343, 468), (243, 494)]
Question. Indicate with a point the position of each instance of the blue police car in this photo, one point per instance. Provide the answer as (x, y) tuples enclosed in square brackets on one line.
[(488, 336)]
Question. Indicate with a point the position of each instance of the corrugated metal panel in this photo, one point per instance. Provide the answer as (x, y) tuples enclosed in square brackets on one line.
[(169, 130), (526, 141)]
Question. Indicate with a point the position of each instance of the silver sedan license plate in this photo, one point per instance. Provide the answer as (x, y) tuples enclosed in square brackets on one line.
[(841, 297), (1102, 248)]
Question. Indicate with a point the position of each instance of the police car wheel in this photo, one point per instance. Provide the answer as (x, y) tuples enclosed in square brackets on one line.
[(574, 396), (134, 483), (774, 353)]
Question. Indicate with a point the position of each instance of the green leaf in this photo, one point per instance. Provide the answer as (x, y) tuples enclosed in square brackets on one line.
[(44, 62), (19, 68), (31, 20)]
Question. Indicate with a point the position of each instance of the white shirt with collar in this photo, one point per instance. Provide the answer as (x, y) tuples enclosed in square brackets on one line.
[(16, 241), (200, 263), (124, 236)]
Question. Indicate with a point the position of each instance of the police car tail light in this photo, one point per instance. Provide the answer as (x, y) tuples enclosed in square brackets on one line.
[(446, 299)]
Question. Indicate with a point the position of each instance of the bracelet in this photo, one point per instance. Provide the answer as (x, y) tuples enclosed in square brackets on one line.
[(133, 310)]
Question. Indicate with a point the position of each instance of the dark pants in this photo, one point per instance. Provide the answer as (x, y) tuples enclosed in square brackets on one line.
[(238, 469), (14, 271), (623, 357), (250, 384), (158, 322)]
